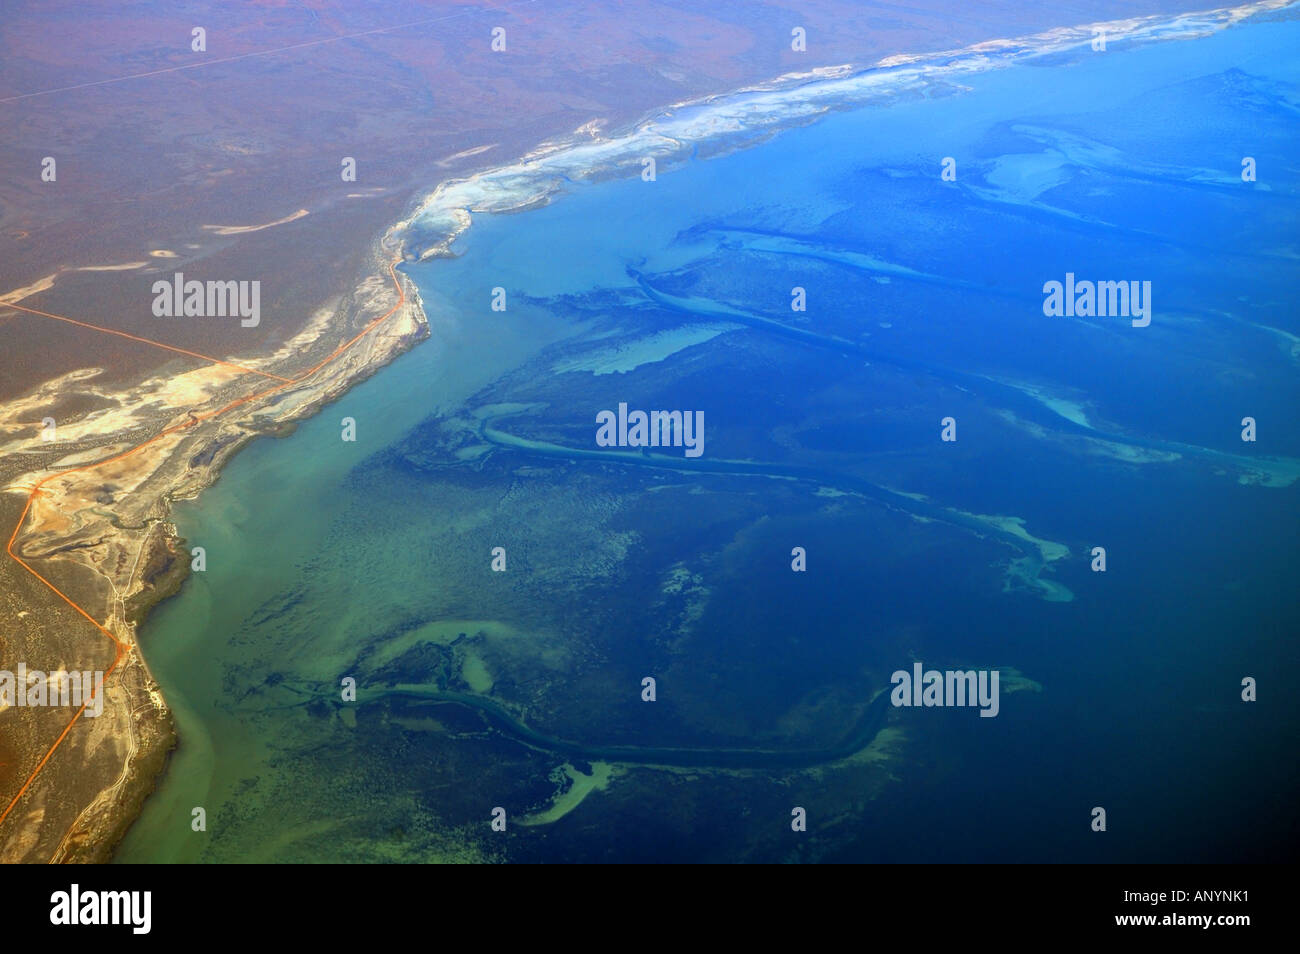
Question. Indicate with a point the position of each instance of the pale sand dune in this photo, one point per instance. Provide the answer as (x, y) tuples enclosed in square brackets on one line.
[(241, 229), (466, 153), (36, 287), (45, 284)]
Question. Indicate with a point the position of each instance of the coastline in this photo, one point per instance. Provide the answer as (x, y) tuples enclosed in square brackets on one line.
[(177, 463), (728, 121), (169, 542)]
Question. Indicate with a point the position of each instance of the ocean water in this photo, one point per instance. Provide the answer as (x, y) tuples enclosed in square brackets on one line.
[(522, 689)]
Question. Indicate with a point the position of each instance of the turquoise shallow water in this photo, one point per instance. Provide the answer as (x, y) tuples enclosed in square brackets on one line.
[(328, 558)]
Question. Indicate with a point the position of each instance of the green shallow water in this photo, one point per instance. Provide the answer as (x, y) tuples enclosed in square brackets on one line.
[(271, 508)]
